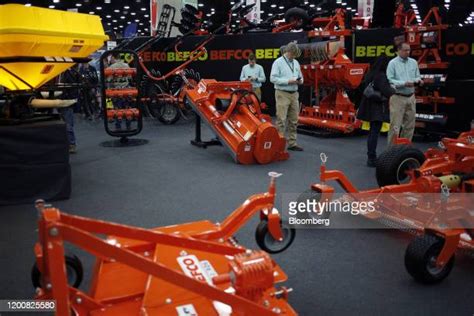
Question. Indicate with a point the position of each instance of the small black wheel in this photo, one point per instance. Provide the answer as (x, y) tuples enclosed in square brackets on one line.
[(420, 260), (311, 196), (74, 272), (168, 113), (393, 164), (266, 242)]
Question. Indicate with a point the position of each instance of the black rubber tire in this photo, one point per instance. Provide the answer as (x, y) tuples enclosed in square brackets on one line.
[(311, 195), (168, 113), (74, 269), (392, 162), (297, 14), (264, 238), (419, 258)]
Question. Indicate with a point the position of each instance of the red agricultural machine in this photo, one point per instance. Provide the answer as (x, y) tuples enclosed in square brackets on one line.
[(335, 112), (233, 112), (331, 73), (189, 269), (431, 193)]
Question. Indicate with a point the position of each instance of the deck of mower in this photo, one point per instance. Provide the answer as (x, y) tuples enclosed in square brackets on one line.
[(233, 113), (188, 269), (429, 193)]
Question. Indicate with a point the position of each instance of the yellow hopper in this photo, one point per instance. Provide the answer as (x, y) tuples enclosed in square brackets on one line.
[(38, 44)]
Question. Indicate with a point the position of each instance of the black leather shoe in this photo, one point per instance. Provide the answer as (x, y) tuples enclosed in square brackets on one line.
[(295, 148)]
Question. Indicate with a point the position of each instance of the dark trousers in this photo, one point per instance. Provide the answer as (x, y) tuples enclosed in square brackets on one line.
[(373, 138), (68, 117)]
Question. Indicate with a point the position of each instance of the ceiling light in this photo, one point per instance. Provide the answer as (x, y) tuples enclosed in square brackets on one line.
[(51, 7), (99, 8)]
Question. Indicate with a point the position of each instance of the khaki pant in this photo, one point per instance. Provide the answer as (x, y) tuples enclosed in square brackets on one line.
[(402, 116), (287, 110), (258, 92)]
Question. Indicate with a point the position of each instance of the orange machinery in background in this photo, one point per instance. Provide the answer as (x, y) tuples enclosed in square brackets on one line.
[(233, 113), (335, 112), (414, 194), (331, 70), (195, 268)]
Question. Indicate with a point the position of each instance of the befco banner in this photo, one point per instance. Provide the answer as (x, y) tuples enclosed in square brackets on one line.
[(226, 55)]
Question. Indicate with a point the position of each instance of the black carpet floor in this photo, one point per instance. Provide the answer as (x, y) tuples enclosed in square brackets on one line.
[(168, 181)]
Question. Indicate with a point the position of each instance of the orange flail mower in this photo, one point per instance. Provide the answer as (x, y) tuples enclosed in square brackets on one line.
[(430, 193), (233, 112), (189, 269)]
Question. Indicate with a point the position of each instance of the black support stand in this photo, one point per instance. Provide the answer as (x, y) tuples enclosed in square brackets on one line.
[(198, 142)]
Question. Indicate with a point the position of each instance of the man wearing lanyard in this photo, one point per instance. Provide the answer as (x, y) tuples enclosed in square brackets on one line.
[(254, 73), (403, 73), (286, 76)]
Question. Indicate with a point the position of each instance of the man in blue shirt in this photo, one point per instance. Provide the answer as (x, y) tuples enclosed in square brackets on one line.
[(254, 73), (286, 76), (403, 73)]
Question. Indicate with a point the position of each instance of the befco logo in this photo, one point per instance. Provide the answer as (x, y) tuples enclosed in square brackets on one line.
[(192, 268), (451, 49), (356, 72)]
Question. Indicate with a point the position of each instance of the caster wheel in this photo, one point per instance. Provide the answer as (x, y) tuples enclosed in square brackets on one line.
[(74, 270), (266, 242), (420, 260)]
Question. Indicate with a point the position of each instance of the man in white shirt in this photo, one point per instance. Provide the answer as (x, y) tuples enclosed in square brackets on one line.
[(286, 76), (254, 73)]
